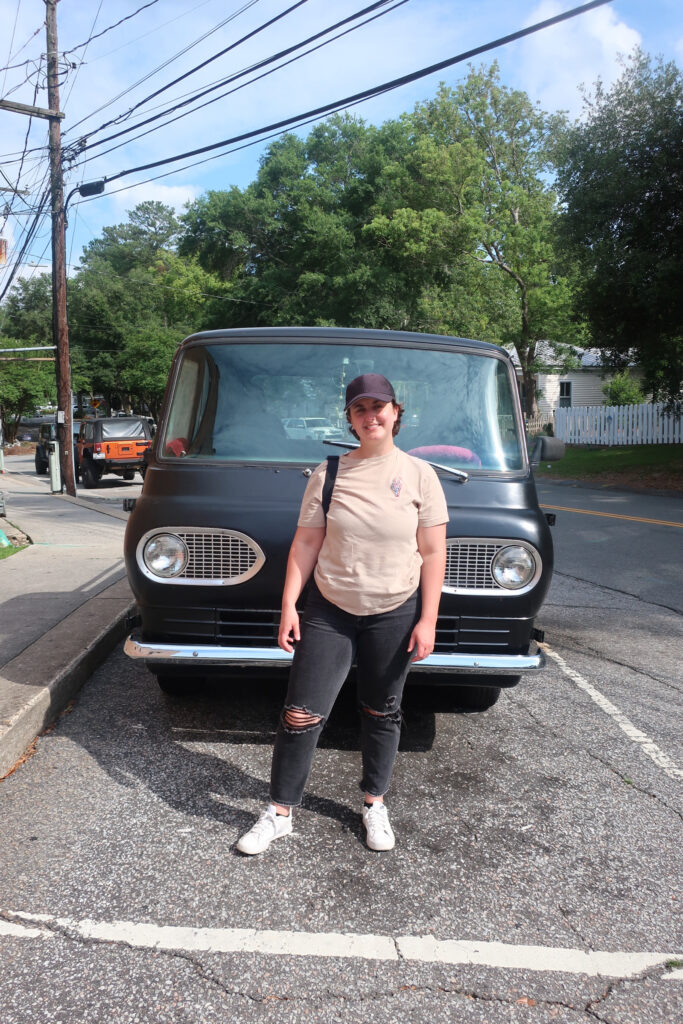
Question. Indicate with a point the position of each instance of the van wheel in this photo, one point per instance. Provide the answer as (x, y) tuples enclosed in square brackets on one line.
[(91, 476), (477, 698), (179, 685)]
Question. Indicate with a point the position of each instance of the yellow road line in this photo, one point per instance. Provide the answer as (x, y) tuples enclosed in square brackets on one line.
[(612, 515)]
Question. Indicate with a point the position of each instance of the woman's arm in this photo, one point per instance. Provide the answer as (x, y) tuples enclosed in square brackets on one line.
[(431, 543), (303, 555)]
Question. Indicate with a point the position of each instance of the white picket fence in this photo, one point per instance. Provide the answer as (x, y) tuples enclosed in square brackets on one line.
[(618, 424)]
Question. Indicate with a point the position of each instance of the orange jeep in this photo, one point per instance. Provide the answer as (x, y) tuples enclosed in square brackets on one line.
[(115, 444)]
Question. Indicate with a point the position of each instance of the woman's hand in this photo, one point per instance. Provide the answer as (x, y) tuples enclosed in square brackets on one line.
[(431, 543), (289, 629), (303, 555), (422, 640)]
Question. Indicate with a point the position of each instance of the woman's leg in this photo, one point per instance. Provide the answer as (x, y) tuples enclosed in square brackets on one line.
[(322, 660), (383, 663)]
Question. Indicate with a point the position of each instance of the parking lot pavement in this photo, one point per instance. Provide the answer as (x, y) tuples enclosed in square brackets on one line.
[(535, 876)]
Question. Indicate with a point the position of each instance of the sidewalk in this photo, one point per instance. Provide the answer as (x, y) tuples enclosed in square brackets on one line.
[(63, 604)]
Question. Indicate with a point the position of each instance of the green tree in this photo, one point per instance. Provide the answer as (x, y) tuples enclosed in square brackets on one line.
[(441, 221), (622, 389), (621, 180), (25, 383), (130, 304), (27, 311), (151, 228), (510, 215)]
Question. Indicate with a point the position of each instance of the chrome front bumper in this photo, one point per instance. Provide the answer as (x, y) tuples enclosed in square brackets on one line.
[(263, 657)]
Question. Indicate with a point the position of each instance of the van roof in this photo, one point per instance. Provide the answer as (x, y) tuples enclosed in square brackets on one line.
[(340, 335)]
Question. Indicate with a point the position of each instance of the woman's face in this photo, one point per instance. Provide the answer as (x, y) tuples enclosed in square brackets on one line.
[(373, 420)]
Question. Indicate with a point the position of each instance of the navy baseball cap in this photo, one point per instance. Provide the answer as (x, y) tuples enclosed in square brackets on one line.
[(369, 385)]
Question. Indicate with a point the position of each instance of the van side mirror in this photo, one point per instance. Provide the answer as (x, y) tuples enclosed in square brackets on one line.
[(546, 449)]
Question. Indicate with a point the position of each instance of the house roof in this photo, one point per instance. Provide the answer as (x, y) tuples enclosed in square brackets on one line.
[(589, 358)]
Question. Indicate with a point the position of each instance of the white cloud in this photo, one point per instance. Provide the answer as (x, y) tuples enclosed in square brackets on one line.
[(556, 62), (170, 195)]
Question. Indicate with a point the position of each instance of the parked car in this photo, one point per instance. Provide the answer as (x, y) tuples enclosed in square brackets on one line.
[(113, 444), (317, 427), (206, 544), (47, 432)]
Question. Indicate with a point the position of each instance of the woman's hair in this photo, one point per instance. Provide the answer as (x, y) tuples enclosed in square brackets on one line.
[(397, 424)]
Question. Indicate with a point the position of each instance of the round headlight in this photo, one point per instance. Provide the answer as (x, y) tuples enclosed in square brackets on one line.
[(165, 555), (513, 567)]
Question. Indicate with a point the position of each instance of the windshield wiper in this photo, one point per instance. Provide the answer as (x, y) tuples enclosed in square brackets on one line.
[(459, 474)]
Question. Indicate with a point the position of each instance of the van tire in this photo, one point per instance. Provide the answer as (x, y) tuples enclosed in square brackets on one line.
[(477, 698), (178, 685)]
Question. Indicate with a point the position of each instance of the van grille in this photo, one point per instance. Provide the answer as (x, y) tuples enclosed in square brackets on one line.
[(258, 627), (217, 556), (468, 565)]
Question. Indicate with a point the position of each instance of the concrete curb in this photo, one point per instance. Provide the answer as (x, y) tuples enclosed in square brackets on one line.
[(39, 683)]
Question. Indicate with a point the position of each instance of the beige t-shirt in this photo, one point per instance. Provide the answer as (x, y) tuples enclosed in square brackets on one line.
[(369, 562)]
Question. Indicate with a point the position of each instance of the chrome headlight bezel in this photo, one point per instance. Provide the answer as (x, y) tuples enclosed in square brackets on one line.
[(514, 567), (170, 553), (215, 557), (469, 566)]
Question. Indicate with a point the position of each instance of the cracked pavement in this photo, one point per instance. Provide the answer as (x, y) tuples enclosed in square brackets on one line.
[(537, 823)]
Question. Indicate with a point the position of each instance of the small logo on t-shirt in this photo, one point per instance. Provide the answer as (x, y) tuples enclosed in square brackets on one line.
[(396, 485)]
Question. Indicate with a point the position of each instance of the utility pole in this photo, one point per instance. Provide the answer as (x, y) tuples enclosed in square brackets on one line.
[(60, 327)]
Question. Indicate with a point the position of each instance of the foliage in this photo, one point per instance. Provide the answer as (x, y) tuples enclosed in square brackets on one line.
[(152, 228), (24, 385), (510, 214), (27, 310), (440, 221), (622, 389), (133, 300), (621, 177)]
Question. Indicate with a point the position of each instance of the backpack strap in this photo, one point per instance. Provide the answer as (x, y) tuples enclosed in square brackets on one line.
[(330, 477)]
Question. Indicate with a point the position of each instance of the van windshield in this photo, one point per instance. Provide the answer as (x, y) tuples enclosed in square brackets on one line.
[(280, 402)]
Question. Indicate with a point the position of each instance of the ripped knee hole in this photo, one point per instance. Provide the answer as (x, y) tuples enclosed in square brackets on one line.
[(299, 719), (394, 715)]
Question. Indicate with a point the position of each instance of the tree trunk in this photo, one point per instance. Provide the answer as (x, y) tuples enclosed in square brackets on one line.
[(529, 380)]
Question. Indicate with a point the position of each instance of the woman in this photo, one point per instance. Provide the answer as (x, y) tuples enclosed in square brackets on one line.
[(378, 559)]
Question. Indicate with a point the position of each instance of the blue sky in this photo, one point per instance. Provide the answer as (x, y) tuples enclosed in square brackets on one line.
[(106, 81)]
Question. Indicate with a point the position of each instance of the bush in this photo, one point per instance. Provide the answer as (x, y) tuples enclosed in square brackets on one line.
[(622, 389)]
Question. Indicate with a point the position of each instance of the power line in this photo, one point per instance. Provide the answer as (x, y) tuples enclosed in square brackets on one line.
[(109, 29), (253, 67), (27, 241), (198, 67), (11, 42), (160, 67), (366, 94), (24, 45)]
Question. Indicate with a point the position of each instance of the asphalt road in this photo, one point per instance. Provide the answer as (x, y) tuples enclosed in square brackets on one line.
[(536, 875)]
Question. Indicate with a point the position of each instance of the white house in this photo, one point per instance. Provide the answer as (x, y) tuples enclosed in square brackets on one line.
[(579, 387)]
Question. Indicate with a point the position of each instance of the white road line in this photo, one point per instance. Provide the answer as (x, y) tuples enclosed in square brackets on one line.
[(647, 745), (348, 945)]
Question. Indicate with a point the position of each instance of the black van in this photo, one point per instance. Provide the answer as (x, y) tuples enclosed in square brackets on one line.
[(206, 544)]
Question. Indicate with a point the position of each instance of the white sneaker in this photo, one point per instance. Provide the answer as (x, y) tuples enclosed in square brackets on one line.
[(269, 826), (379, 835)]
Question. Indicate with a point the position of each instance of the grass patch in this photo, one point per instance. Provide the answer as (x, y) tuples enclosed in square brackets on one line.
[(11, 550), (648, 466)]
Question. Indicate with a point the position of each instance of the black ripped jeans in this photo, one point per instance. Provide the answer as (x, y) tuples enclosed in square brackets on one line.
[(331, 640)]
